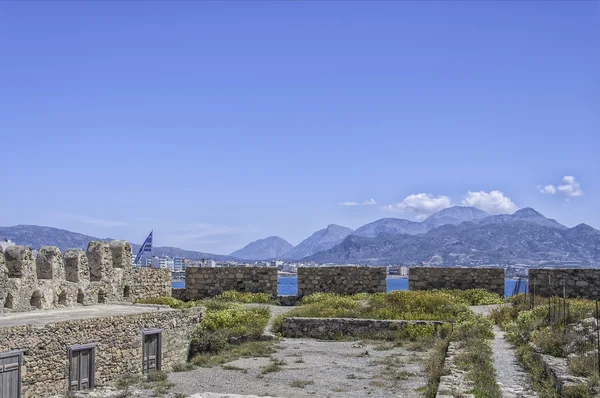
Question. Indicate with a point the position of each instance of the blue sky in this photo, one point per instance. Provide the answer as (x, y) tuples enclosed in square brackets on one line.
[(220, 123)]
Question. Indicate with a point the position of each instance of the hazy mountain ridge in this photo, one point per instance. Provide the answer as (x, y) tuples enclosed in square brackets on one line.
[(525, 236), (36, 236), (264, 249), (321, 240)]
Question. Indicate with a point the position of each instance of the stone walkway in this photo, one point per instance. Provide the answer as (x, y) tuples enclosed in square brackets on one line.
[(512, 379)]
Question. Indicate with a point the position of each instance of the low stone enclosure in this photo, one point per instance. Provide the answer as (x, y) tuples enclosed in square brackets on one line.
[(203, 282), (52, 353), (342, 280), (577, 282), (331, 328), (101, 274), (430, 278)]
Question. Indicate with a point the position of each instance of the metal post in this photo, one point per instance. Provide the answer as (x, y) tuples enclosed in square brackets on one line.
[(565, 306)]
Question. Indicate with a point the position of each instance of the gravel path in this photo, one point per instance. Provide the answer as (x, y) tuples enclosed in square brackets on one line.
[(511, 378), (513, 381)]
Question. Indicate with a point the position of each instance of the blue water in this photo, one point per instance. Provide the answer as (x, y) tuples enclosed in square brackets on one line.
[(288, 285)]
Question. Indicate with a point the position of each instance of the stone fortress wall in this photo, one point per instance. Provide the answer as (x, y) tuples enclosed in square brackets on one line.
[(577, 282), (101, 274), (430, 278), (202, 282), (117, 340), (341, 279)]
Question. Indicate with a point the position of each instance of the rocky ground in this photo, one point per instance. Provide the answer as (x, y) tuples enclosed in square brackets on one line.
[(310, 368)]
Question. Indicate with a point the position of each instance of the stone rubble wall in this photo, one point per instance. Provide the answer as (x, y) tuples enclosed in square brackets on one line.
[(578, 282), (178, 293), (341, 279), (101, 274), (202, 282), (118, 342), (430, 278), (150, 282), (332, 328), (454, 381)]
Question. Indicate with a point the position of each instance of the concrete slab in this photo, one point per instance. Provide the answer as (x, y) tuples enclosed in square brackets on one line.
[(43, 317)]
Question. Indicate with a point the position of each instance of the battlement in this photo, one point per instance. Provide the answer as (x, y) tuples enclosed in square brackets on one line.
[(101, 274)]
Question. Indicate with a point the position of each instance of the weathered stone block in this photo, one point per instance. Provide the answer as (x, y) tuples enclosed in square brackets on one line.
[(121, 254), (49, 263), (100, 260), (76, 266), (19, 261)]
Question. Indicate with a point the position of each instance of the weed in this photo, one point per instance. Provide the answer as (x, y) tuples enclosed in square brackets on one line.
[(232, 367), (301, 383)]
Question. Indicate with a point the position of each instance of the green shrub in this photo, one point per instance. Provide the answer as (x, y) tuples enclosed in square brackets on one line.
[(245, 297), (475, 296), (407, 305), (211, 342), (550, 340), (469, 327), (237, 321)]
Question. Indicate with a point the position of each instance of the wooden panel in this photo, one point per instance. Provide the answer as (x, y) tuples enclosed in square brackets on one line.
[(150, 353), (84, 373), (74, 371), (9, 377)]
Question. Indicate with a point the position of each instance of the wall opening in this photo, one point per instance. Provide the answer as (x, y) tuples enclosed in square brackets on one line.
[(62, 298), (126, 292), (101, 297), (8, 303), (36, 299), (80, 297)]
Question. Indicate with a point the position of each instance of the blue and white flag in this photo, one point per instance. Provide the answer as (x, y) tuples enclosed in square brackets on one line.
[(146, 248)]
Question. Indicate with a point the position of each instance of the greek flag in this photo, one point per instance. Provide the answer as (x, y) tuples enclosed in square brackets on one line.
[(146, 248)]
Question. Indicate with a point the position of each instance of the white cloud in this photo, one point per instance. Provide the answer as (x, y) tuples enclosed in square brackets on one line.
[(548, 189), (494, 202), (570, 188), (367, 202), (421, 204)]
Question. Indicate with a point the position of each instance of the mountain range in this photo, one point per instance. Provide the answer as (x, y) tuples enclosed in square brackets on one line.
[(453, 236), (523, 237), (36, 236)]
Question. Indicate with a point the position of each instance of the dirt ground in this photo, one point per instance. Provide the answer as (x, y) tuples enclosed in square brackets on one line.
[(314, 368)]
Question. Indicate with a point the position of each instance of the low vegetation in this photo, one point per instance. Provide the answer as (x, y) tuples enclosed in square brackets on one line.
[(222, 322), (564, 329), (245, 297)]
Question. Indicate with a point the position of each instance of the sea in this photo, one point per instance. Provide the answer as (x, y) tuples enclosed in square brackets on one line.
[(288, 285)]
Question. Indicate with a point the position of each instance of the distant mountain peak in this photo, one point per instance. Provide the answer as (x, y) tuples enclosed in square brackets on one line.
[(264, 249), (321, 240), (454, 215), (527, 211)]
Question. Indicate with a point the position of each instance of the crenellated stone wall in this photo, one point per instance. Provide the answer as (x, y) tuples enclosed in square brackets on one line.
[(101, 274), (430, 278), (341, 279), (577, 282), (118, 341), (202, 282), (333, 328)]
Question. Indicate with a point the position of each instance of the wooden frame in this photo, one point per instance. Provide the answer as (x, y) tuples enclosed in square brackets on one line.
[(151, 332), (92, 369)]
